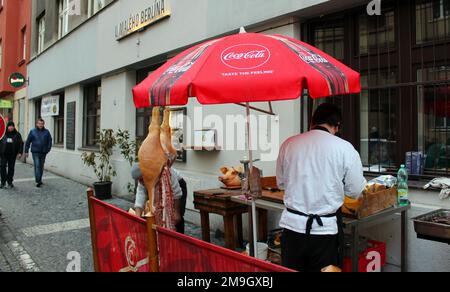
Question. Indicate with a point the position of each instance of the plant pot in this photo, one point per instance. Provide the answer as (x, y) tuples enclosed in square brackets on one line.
[(103, 190)]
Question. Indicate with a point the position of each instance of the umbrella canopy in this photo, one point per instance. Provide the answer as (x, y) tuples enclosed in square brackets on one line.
[(244, 68)]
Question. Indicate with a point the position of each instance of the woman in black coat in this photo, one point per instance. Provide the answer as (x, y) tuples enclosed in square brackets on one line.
[(11, 148)]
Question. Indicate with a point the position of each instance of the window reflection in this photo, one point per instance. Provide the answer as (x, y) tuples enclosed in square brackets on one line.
[(434, 118)]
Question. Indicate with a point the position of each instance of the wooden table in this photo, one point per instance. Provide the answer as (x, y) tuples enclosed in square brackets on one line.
[(218, 201)]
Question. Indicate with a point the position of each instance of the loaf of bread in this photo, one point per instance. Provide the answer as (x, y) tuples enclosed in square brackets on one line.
[(331, 269)]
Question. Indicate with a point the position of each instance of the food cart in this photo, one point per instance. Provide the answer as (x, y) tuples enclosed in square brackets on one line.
[(241, 69), (352, 225)]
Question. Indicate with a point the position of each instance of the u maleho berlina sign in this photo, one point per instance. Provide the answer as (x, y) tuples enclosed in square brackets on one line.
[(137, 21)]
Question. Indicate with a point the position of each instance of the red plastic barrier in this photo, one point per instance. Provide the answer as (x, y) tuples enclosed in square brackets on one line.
[(180, 253), (121, 241)]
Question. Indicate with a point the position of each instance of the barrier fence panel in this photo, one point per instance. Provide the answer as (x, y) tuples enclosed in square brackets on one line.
[(180, 253), (120, 241)]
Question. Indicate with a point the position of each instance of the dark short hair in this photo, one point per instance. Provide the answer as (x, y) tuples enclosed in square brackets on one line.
[(40, 120), (327, 113)]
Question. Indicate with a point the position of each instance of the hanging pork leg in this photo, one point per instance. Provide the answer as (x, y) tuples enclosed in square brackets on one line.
[(152, 157), (166, 137)]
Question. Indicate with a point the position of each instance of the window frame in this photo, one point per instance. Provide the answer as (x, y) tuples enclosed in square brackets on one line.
[(58, 121), (41, 22), (96, 102), (406, 85), (63, 18)]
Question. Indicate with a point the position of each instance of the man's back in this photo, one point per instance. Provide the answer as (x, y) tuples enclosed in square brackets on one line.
[(317, 169)]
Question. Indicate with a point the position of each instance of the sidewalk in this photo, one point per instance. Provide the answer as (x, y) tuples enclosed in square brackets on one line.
[(39, 227), (47, 223)]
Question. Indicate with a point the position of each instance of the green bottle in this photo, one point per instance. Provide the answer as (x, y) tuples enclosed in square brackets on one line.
[(402, 186)]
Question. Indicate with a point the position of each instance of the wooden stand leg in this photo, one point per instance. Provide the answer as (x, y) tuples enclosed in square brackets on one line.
[(230, 239), (206, 235), (240, 232), (90, 195), (152, 245), (262, 225)]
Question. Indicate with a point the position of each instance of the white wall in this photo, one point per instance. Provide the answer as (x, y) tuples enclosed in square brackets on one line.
[(117, 112), (91, 50)]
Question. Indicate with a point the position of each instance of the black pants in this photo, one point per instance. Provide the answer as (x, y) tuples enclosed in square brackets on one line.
[(309, 253), (7, 167), (181, 226)]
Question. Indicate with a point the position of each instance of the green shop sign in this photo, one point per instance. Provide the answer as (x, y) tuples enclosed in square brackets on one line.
[(17, 80), (6, 103)]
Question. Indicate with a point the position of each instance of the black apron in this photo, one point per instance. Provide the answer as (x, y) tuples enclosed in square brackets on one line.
[(318, 219)]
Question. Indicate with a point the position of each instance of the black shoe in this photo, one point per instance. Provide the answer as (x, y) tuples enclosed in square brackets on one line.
[(11, 186), (38, 185), (2, 186)]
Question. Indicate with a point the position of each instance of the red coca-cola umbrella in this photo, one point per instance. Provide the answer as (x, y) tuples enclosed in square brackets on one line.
[(245, 68)]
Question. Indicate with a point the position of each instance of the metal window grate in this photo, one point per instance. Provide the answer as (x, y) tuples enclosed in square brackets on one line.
[(405, 73)]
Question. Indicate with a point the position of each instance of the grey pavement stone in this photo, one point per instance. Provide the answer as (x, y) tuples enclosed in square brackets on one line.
[(58, 201)]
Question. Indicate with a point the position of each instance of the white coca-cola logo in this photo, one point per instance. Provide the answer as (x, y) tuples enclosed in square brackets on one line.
[(313, 58), (246, 56)]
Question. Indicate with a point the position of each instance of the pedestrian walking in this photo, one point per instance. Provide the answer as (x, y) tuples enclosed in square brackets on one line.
[(11, 148), (40, 142)]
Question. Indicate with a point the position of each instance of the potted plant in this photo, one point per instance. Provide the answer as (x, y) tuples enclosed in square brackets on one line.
[(129, 149), (100, 162)]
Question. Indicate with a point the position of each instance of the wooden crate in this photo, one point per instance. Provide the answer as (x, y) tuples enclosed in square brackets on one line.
[(374, 203)]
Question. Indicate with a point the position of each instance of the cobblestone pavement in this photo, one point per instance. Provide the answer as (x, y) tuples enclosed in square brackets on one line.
[(40, 227)]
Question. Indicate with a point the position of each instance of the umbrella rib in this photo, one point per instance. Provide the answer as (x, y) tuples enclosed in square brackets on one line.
[(258, 109)]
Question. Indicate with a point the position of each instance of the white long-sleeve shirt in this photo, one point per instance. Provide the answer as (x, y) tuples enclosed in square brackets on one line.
[(316, 170), (142, 194)]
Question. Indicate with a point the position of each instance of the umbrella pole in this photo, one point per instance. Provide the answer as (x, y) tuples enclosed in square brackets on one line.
[(250, 156)]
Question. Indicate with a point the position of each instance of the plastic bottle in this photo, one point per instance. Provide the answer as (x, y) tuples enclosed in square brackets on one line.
[(402, 186)]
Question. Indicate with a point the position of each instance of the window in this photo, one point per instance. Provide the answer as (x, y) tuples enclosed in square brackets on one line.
[(330, 39), (24, 44), (432, 21), (434, 117), (37, 109), (63, 20), (376, 33), (41, 34), (143, 116), (378, 121), (95, 6), (59, 123), (92, 114)]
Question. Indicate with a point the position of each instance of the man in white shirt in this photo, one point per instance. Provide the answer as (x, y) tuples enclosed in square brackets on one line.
[(317, 169), (179, 190)]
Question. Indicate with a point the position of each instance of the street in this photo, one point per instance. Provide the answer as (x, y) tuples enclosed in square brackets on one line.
[(40, 227)]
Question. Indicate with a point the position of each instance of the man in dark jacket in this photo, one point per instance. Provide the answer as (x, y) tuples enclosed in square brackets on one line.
[(40, 141), (11, 148)]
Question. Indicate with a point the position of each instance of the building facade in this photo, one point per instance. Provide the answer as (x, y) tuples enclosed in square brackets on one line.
[(90, 59), (15, 36)]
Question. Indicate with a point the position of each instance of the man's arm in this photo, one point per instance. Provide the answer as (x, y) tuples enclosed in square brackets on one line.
[(28, 142), (280, 169), (141, 199), (354, 181), (177, 194), (20, 144), (50, 142)]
